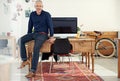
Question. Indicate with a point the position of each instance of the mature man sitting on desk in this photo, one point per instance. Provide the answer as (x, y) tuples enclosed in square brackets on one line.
[(42, 23)]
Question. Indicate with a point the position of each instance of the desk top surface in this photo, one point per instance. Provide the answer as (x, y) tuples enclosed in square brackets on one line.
[(75, 40), (81, 39)]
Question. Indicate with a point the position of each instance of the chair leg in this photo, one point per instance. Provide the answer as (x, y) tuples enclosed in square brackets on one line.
[(41, 65), (51, 64), (71, 62), (41, 71), (62, 59)]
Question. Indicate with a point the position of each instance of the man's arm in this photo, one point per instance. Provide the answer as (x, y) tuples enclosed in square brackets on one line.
[(50, 25), (30, 25)]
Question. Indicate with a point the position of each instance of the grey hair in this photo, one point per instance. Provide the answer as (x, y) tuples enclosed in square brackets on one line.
[(38, 1)]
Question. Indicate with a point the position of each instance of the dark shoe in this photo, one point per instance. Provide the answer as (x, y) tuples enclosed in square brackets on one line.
[(24, 63), (30, 75)]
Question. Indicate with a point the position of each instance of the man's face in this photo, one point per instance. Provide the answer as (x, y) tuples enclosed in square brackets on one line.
[(38, 7)]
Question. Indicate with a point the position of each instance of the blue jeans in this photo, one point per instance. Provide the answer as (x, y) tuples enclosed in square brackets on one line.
[(39, 39)]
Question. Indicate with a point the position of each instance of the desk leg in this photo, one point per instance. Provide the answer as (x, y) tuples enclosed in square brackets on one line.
[(88, 60), (92, 56), (86, 55), (82, 57)]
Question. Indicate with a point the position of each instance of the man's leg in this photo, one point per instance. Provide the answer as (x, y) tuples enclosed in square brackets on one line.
[(39, 40), (22, 41)]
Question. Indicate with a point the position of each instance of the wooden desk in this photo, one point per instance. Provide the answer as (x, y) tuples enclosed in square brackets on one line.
[(79, 45)]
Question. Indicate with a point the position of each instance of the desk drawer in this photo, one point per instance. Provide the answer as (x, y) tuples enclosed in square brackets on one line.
[(83, 46)]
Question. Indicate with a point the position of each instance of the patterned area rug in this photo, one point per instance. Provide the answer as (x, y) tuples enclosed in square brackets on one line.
[(65, 72)]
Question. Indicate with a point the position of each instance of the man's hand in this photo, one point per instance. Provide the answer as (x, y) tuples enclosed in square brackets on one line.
[(51, 40)]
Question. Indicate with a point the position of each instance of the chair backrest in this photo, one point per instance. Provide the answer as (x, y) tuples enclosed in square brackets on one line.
[(61, 46)]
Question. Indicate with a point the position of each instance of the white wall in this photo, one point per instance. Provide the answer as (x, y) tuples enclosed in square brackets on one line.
[(4, 17), (118, 14), (103, 15), (8, 11), (94, 14)]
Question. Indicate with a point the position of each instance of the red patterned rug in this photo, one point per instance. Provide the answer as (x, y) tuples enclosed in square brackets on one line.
[(65, 72)]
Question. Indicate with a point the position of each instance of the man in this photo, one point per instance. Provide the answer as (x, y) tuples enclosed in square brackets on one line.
[(42, 23)]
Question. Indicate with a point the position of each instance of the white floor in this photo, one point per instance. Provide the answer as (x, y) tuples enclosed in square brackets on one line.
[(105, 68)]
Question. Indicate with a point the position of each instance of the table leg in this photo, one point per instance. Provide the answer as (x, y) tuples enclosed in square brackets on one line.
[(92, 56), (88, 60)]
